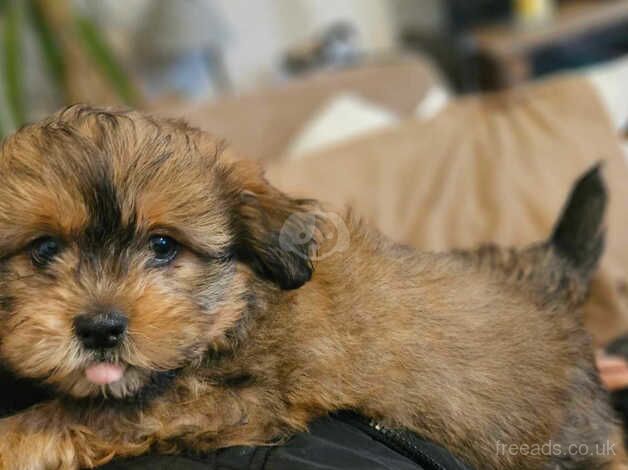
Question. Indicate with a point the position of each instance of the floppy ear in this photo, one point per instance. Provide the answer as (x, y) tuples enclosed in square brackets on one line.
[(274, 234)]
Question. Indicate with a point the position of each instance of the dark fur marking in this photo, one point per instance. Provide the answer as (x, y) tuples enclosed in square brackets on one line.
[(288, 269), (256, 225), (578, 235), (7, 303), (106, 235), (236, 380)]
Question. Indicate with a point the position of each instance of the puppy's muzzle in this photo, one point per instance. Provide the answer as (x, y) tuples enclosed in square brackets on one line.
[(100, 330)]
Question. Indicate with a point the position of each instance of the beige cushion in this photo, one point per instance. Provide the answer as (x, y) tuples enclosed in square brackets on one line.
[(344, 117), (492, 168), (262, 124)]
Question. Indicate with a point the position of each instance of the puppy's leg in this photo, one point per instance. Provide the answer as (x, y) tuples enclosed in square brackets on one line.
[(51, 436), (44, 437)]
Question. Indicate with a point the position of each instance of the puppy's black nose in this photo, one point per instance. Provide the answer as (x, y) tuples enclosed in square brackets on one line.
[(100, 330)]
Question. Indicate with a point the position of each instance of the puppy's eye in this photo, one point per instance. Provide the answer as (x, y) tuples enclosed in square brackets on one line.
[(164, 248), (43, 250)]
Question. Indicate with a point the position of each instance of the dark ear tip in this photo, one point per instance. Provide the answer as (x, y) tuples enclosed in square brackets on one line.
[(579, 235), (295, 280), (592, 179), (287, 270)]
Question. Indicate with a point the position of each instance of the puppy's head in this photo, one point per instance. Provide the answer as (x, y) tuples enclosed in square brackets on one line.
[(129, 246)]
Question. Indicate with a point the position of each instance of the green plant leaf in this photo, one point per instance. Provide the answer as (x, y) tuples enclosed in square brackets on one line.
[(2, 128), (104, 58), (50, 47), (14, 80)]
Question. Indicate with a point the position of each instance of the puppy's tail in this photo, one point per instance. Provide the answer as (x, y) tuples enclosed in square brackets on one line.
[(578, 237), (560, 267)]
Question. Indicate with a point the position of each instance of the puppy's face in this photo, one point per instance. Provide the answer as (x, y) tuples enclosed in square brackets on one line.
[(128, 248)]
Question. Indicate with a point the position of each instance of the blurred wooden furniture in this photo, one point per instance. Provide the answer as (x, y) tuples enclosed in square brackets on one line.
[(509, 47)]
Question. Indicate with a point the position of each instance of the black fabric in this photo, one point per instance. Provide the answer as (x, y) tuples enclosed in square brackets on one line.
[(18, 394), (427, 455), (341, 442), (619, 400)]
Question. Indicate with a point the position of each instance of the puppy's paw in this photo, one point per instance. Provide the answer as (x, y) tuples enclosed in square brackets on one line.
[(20, 450)]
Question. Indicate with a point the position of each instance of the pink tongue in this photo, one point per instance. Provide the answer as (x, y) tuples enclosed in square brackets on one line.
[(104, 373)]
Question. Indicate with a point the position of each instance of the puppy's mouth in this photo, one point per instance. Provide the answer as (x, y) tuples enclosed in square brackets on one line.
[(107, 377), (116, 382), (113, 375), (104, 373)]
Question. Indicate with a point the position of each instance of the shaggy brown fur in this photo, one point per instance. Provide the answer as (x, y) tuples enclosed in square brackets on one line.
[(274, 311)]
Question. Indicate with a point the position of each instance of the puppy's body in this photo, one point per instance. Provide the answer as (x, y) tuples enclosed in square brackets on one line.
[(232, 343)]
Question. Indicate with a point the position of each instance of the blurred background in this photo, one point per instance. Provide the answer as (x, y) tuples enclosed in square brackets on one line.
[(161, 53), (446, 123)]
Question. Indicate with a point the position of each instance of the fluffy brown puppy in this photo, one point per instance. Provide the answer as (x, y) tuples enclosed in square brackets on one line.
[(174, 300)]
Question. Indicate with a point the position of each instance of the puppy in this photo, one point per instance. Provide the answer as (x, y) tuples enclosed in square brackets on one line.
[(173, 300)]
